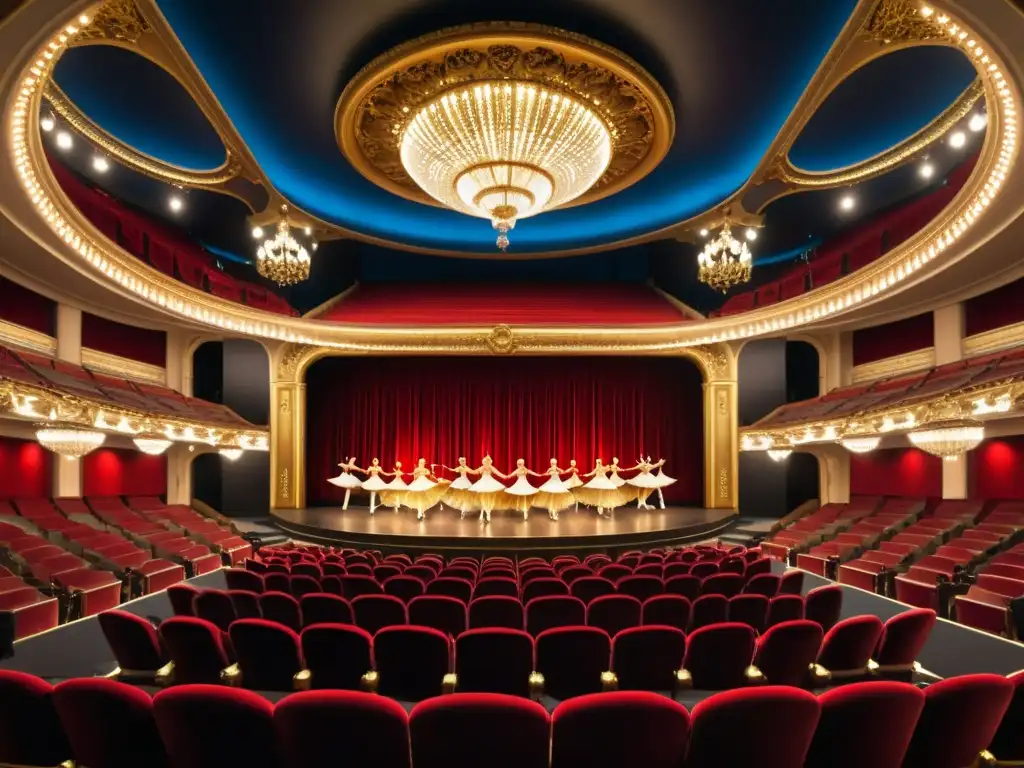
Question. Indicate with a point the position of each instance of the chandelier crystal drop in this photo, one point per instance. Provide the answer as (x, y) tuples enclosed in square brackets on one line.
[(779, 454), (231, 454), (282, 258), (505, 150), (860, 444), (68, 440), (152, 443), (949, 439), (724, 262)]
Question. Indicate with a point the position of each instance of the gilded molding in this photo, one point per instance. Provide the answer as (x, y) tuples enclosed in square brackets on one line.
[(123, 367), (15, 335), (995, 340), (899, 21), (116, 21), (897, 365)]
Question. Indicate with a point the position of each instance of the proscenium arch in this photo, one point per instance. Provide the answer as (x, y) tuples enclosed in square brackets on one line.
[(291, 362)]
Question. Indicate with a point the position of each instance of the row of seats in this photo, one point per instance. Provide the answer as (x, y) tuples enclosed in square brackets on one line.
[(416, 662), (453, 614), (105, 724)]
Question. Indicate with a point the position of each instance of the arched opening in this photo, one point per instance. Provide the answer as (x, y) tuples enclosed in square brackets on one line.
[(235, 372), (534, 408)]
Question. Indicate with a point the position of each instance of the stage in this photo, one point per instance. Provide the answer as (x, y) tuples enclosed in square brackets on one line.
[(628, 527)]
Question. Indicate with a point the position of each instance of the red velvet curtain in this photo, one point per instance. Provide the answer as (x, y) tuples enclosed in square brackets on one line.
[(143, 344), (995, 309), (24, 307), (896, 472), (123, 472), (891, 339), (26, 469), (996, 468), (531, 408)]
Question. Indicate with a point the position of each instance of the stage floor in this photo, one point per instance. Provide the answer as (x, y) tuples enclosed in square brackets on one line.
[(446, 530)]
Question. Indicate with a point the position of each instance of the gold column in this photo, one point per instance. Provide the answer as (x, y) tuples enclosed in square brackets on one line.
[(288, 445), (721, 445)]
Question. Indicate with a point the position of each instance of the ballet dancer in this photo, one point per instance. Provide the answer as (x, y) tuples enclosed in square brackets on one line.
[(458, 494), (574, 481), (664, 481), (488, 489), (521, 492), (554, 495), (626, 492), (373, 483), (394, 494), (347, 480), (644, 482), (425, 490), (599, 491)]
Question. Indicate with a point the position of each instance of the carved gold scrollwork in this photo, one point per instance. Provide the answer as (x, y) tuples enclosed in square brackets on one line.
[(501, 340), (291, 359), (116, 20), (896, 21)]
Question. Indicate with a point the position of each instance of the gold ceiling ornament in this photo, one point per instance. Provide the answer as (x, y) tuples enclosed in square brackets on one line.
[(282, 258), (896, 21), (504, 120), (116, 21), (724, 261)]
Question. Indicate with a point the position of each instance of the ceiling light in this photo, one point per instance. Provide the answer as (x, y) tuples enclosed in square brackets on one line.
[(847, 203), (232, 454), (47, 123), (703, 233), (927, 11), (153, 444), (69, 440), (724, 262), (308, 231), (282, 258), (978, 122), (779, 454), (957, 139), (64, 140), (83, 19), (927, 170), (175, 203), (949, 439), (751, 234), (100, 164), (860, 444), (505, 150), (257, 232)]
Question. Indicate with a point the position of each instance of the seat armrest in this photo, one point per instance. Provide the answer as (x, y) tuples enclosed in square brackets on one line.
[(449, 683), (818, 676), (232, 676), (370, 681), (536, 685), (302, 680), (683, 680), (165, 675), (609, 681), (754, 676)]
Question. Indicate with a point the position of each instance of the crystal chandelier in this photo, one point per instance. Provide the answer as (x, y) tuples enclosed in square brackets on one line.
[(152, 443), (949, 439), (231, 454), (505, 150), (780, 454), (724, 262), (68, 440), (282, 258), (860, 444)]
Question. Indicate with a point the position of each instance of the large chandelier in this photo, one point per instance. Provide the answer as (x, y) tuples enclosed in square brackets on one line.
[(505, 150), (949, 439), (860, 444), (282, 258), (152, 443), (68, 440), (724, 262)]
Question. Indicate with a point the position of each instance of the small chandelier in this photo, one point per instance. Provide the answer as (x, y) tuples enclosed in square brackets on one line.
[(724, 262), (779, 454), (68, 440), (949, 439), (860, 444), (282, 258), (152, 443), (231, 454)]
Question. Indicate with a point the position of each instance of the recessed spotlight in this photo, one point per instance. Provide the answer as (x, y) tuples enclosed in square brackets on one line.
[(957, 139), (257, 232), (703, 233), (847, 203), (308, 231), (100, 164), (83, 19), (751, 234), (47, 123), (175, 203), (927, 170), (927, 11), (978, 122), (64, 140)]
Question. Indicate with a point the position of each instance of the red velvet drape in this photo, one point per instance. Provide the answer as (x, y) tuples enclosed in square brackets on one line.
[(143, 344), (123, 472), (26, 469), (995, 309), (891, 339), (896, 472), (530, 408), (996, 468)]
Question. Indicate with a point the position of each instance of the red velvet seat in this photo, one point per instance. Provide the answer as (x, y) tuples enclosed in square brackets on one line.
[(614, 613), (587, 588), (544, 588), (614, 571), (647, 658), (313, 570), (109, 724), (459, 588), (216, 607), (717, 656), (181, 597), (196, 647), (625, 728), (492, 586), (277, 582), (543, 613), (134, 642), (709, 609), (470, 730), (726, 584), (751, 610), (640, 587), (960, 718), (411, 661), (667, 610), (300, 584), (494, 661), (374, 612), (846, 649), (282, 608), (194, 719), (824, 605), (785, 608), (239, 578), (30, 730), (735, 728), (785, 651), (337, 655), (33, 612), (324, 608), (792, 582), (354, 586), (456, 571), (687, 586), (903, 638), (445, 614), (385, 571), (405, 588), (572, 660), (424, 573), (574, 572), (496, 612), (865, 724), (269, 654), (1008, 742), (367, 730), (703, 570), (245, 603), (767, 584)]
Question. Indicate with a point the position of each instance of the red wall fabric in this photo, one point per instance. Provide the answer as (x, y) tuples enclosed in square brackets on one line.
[(142, 344), (891, 339), (123, 472), (24, 307), (995, 309), (896, 472), (529, 408), (996, 469), (26, 469)]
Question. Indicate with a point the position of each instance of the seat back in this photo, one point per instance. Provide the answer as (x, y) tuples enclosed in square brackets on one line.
[(667, 610), (269, 654), (785, 651), (337, 655), (614, 613), (792, 582), (848, 646), (245, 603), (492, 586), (586, 588), (718, 655), (375, 612), (324, 608), (196, 647), (30, 730), (572, 660), (687, 586), (216, 607), (494, 661), (639, 586), (767, 584), (405, 588), (709, 609), (181, 597), (354, 586), (239, 578), (411, 661), (495, 612), (751, 610), (824, 605), (544, 588), (1008, 743), (904, 636), (445, 614), (543, 613), (647, 658), (133, 640), (282, 608)]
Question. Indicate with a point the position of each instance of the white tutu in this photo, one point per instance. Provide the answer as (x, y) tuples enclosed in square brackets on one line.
[(397, 484), (663, 480), (461, 483), (573, 481), (554, 484), (345, 480), (374, 483), (422, 483), (600, 483), (644, 480), (521, 487), (617, 481), (487, 484)]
